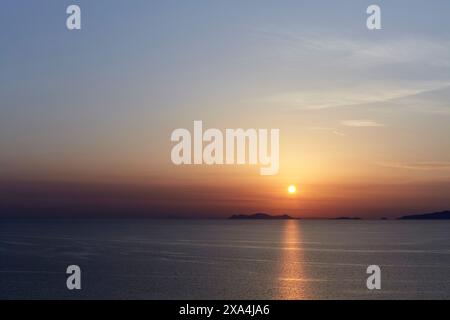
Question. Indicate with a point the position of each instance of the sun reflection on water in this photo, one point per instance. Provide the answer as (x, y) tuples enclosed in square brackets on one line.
[(292, 279)]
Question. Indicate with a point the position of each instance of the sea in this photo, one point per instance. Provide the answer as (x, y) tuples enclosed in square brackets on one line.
[(224, 259)]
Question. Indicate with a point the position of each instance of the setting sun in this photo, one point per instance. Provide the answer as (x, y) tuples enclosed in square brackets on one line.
[(292, 189)]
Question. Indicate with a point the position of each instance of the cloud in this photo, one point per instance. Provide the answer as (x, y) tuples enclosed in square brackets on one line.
[(353, 96), (398, 51), (339, 133), (330, 67), (361, 123), (427, 166), (363, 51), (332, 130)]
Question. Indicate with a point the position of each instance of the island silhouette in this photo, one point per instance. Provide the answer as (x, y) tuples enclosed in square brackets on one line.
[(260, 216), (443, 215)]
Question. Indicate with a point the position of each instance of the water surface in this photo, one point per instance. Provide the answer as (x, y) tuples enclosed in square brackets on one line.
[(224, 259)]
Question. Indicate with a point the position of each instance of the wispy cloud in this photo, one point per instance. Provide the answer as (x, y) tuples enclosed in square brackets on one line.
[(397, 67), (362, 52), (361, 123), (339, 133), (430, 165), (354, 96), (331, 130)]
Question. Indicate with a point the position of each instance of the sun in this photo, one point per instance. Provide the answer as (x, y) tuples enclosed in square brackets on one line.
[(292, 189)]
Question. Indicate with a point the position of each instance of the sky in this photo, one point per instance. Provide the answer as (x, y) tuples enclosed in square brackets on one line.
[(86, 116)]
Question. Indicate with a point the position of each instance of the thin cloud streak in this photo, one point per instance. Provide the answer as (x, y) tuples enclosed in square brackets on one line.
[(361, 123), (332, 130), (348, 97), (427, 166), (362, 52)]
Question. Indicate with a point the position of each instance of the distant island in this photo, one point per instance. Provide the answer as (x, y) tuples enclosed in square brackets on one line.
[(259, 216), (443, 215)]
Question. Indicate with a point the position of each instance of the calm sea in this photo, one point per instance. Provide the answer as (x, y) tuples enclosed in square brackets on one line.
[(224, 259)]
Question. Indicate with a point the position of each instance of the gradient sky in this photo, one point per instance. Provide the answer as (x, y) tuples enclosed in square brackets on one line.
[(86, 116)]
